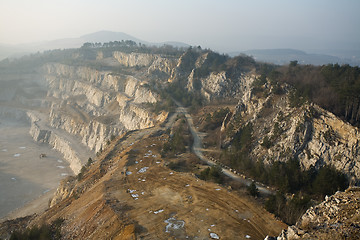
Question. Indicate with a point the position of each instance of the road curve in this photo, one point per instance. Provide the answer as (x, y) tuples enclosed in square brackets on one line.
[(197, 149)]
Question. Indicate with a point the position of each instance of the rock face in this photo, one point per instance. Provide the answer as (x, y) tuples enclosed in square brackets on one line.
[(193, 70), (95, 105), (76, 156), (154, 62), (335, 218), (135, 59), (309, 133)]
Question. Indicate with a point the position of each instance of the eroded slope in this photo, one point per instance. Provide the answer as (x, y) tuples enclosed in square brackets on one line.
[(129, 193)]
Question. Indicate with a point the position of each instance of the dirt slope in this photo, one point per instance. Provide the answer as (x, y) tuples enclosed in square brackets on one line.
[(129, 193)]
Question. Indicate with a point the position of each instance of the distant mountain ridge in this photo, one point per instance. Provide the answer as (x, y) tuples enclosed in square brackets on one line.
[(276, 56), (108, 36), (284, 56), (100, 36)]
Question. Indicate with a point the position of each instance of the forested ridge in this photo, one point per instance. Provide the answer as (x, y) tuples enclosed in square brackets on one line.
[(333, 87)]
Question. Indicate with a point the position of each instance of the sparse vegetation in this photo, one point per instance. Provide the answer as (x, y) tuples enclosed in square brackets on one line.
[(213, 121), (316, 84), (288, 209), (253, 190), (330, 136), (285, 176), (44, 232), (194, 100), (213, 173), (305, 185), (238, 157), (267, 143), (178, 142)]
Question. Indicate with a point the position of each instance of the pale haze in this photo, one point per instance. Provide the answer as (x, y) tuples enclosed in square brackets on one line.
[(227, 25)]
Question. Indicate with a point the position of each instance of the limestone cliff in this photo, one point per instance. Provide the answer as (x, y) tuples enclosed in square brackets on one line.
[(335, 218), (201, 71), (62, 142), (309, 133), (134, 59), (153, 62), (95, 105)]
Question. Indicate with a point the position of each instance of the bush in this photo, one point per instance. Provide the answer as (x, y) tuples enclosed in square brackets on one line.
[(44, 232), (81, 173), (213, 173), (253, 190), (267, 143), (179, 166), (328, 180), (288, 210)]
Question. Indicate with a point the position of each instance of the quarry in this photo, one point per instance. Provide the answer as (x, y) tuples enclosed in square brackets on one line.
[(138, 127)]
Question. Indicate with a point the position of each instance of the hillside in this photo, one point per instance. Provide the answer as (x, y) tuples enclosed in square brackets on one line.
[(155, 117), (129, 193), (335, 218)]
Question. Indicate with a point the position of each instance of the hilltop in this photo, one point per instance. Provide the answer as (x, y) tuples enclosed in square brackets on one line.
[(19, 50)]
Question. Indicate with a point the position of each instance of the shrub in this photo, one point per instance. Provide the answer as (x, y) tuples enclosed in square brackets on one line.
[(253, 190), (44, 232), (213, 173), (267, 143)]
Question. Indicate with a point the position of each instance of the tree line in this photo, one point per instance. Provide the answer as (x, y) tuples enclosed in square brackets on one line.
[(333, 87)]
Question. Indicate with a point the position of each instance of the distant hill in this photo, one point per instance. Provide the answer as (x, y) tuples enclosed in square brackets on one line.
[(284, 56), (101, 36), (108, 36)]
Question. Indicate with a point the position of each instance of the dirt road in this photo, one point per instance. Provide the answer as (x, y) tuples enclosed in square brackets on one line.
[(198, 150)]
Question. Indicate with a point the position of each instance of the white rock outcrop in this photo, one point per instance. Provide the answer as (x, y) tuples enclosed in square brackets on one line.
[(95, 105), (62, 142)]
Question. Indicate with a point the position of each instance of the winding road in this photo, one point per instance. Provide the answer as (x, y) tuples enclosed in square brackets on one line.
[(198, 150)]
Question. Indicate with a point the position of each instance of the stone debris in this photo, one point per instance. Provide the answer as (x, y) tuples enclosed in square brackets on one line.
[(214, 236), (337, 217), (173, 224), (158, 211), (142, 170)]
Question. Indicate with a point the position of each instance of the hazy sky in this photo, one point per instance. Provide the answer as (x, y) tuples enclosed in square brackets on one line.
[(223, 25)]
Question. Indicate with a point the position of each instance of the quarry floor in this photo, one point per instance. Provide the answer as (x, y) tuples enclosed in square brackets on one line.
[(24, 176)]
